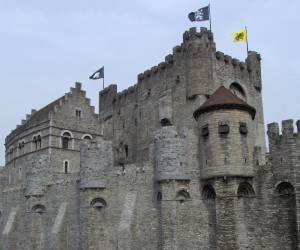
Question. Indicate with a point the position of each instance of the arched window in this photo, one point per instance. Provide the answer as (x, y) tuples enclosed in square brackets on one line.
[(98, 203), (39, 142), (21, 146), (238, 90), (285, 189), (245, 190), (208, 192), (87, 138), (38, 209), (66, 140), (34, 143), (182, 195)]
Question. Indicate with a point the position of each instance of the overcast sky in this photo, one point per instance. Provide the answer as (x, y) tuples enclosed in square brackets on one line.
[(45, 46)]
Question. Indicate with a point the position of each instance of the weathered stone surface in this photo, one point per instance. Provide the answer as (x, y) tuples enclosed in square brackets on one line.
[(144, 174)]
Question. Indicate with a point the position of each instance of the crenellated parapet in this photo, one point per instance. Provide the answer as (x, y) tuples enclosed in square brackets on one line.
[(250, 69), (284, 148), (195, 45), (192, 62), (287, 133)]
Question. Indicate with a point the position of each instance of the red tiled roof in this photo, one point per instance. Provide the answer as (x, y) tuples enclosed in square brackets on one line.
[(223, 98)]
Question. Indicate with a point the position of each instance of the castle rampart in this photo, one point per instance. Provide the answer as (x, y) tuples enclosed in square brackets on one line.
[(176, 161)]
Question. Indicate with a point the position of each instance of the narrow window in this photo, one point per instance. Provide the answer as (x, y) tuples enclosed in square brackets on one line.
[(66, 167), (78, 113), (39, 142), (126, 150), (34, 143)]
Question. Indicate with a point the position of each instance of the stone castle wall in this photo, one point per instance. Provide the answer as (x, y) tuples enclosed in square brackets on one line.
[(146, 180)]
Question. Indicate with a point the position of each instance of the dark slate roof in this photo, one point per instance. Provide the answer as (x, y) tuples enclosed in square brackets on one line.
[(223, 98), (36, 118)]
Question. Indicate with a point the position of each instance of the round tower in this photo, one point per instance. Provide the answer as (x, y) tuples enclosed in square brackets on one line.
[(226, 136), (199, 50), (227, 142), (96, 158), (170, 157)]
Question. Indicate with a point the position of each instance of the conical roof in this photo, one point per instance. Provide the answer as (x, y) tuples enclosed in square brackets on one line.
[(223, 98)]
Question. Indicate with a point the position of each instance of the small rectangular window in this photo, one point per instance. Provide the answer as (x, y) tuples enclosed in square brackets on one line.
[(243, 128), (223, 128)]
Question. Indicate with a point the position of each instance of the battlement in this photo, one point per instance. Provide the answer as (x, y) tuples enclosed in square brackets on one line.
[(248, 66), (192, 33), (287, 129), (197, 53), (204, 36)]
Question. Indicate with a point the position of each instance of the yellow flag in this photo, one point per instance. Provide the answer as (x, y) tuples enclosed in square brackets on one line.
[(240, 36)]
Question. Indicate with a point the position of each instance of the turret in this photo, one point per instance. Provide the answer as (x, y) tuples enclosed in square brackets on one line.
[(254, 69), (96, 158), (172, 183), (226, 136), (284, 150), (106, 97), (200, 51)]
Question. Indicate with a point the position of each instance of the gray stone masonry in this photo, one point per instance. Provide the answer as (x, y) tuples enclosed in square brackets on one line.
[(144, 174)]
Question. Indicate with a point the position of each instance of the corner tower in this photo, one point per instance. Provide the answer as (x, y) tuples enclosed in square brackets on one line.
[(226, 161)]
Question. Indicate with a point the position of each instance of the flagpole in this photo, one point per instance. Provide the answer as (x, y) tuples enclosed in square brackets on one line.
[(103, 78), (209, 18), (247, 40)]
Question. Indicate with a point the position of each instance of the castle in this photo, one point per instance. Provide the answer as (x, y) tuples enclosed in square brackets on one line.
[(176, 162)]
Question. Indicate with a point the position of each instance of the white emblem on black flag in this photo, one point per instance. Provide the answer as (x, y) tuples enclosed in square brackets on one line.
[(200, 15), (98, 74)]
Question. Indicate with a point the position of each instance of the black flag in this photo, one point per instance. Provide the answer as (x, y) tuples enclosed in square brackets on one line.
[(200, 15), (98, 74)]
